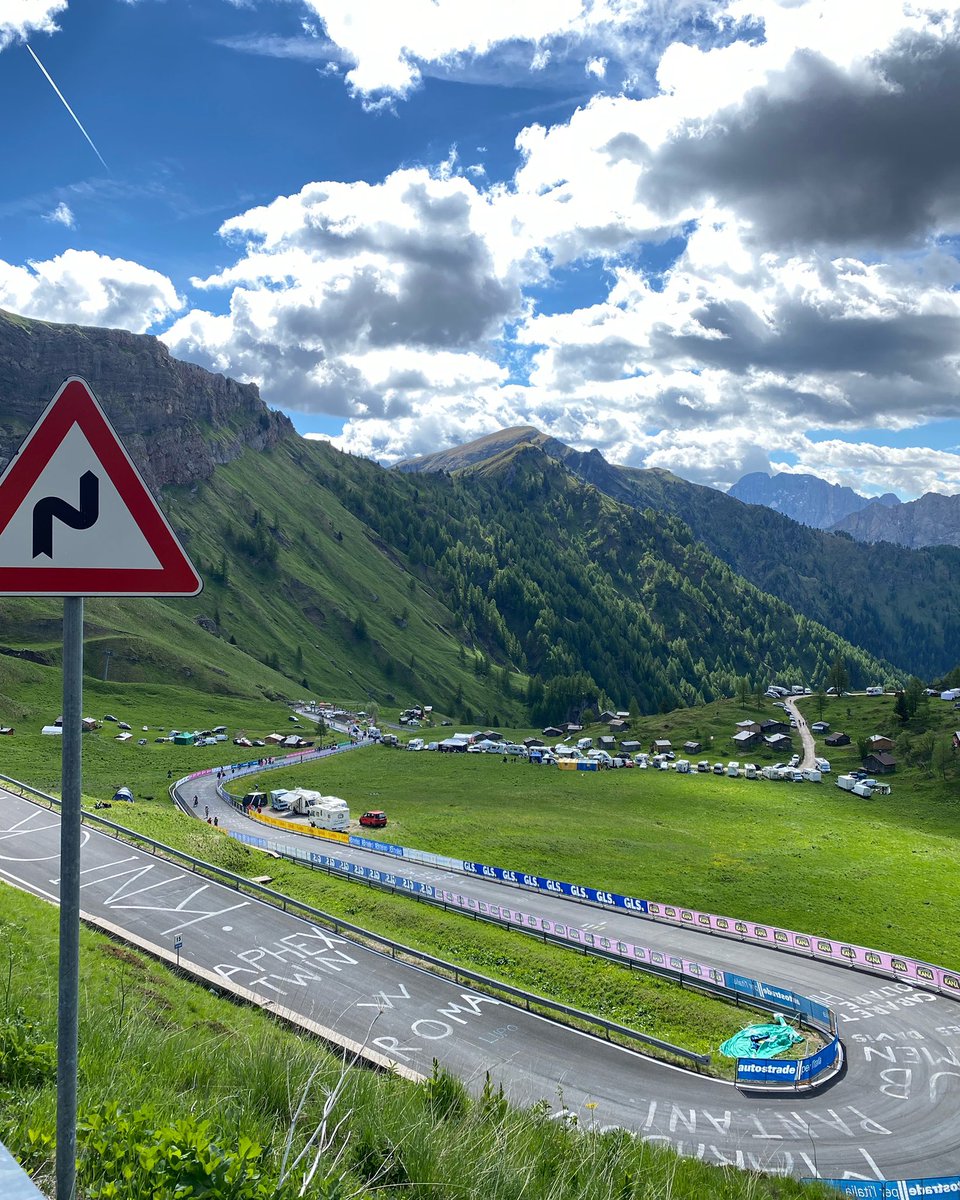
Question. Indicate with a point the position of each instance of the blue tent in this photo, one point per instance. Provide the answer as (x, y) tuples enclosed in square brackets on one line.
[(123, 793)]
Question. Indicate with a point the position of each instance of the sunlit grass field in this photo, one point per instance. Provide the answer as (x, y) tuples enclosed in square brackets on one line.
[(805, 856)]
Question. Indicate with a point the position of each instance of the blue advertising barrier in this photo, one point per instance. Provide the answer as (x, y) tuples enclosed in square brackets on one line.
[(786, 1072), (756, 989), (810, 1069), (765, 1070), (541, 884), (902, 1189), (363, 843)]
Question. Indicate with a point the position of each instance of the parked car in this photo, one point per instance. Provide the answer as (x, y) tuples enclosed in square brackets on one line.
[(376, 818)]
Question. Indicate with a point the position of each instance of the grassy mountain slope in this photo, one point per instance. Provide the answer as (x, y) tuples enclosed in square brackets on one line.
[(898, 604), (515, 583), (335, 576)]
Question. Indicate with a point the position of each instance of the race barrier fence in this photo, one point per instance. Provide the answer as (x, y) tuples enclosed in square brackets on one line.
[(875, 962), (803, 1073), (943, 1187), (242, 885), (768, 1073)]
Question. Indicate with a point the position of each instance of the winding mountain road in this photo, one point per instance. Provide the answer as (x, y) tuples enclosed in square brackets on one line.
[(895, 1112)]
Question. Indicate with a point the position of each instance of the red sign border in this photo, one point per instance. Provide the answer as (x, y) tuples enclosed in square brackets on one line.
[(76, 404)]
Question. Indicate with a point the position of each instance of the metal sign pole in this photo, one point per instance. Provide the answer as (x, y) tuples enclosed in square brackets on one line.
[(69, 970)]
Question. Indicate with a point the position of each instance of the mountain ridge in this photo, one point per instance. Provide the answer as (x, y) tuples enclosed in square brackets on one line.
[(931, 520), (890, 611), (178, 420), (806, 498)]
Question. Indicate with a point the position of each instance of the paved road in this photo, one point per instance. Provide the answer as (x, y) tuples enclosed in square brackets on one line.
[(809, 755), (894, 1114)]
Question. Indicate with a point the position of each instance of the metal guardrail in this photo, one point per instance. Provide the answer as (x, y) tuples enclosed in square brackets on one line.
[(382, 944)]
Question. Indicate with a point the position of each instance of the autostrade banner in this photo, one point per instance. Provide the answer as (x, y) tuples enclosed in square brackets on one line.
[(769, 1072), (902, 1189)]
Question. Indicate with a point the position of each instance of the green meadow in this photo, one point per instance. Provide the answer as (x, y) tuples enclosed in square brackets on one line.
[(810, 857)]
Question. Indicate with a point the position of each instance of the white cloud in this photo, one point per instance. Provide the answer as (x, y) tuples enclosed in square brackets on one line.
[(82, 287), (393, 43), (21, 18), (420, 271), (61, 215), (803, 174)]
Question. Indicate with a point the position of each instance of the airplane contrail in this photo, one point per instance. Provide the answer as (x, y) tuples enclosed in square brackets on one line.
[(65, 104)]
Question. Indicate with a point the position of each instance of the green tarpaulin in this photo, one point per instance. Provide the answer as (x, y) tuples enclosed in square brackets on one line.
[(762, 1041)]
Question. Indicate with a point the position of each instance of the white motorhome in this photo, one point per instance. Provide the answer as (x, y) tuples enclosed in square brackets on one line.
[(300, 800), (811, 775), (823, 765), (330, 813), (733, 769), (770, 772), (683, 766), (874, 691)]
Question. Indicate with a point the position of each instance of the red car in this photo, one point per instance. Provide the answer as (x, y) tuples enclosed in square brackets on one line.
[(376, 819)]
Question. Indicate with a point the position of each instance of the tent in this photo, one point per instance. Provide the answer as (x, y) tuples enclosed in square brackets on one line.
[(123, 793)]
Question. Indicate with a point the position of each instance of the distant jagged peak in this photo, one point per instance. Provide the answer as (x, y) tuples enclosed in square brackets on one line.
[(805, 498)]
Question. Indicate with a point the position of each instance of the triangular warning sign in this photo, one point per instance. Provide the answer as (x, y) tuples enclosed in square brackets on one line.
[(76, 518)]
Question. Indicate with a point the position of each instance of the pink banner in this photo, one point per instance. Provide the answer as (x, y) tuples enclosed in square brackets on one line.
[(910, 970), (580, 937)]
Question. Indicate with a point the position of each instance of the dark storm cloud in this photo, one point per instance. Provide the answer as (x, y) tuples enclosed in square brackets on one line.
[(822, 156), (808, 339)]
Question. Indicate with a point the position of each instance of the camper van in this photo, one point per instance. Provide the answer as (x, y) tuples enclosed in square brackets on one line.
[(733, 769), (847, 782), (279, 800), (329, 813), (823, 765), (300, 800)]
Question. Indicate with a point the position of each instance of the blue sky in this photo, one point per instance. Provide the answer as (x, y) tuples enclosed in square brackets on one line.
[(707, 236)]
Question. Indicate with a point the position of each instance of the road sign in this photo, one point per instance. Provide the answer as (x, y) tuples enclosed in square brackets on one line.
[(178, 942), (76, 518)]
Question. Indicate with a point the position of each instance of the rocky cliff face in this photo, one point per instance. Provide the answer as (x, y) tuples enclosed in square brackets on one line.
[(805, 498), (177, 420), (933, 520)]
